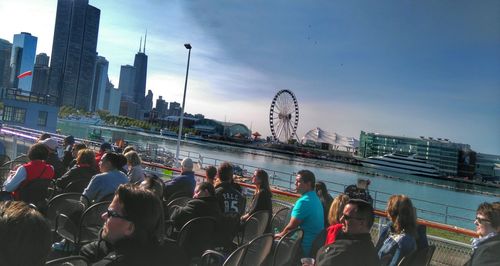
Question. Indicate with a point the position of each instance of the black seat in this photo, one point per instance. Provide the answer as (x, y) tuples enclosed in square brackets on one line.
[(87, 230), (36, 192), (257, 250), (214, 258), (288, 247), (280, 220), (196, 236), (76, 185), (63, 203), (72, 260), (420, 257), (255, 226)]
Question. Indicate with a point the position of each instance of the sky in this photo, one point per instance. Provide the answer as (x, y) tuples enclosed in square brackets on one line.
[(406, 68)]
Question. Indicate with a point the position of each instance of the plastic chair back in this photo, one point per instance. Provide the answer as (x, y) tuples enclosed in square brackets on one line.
[(36, 192), (420, 257), (258, 250), (288, 246), (280, 219), (72, 260), (196, 236), (76, 186), (235, 259), (62, 203), (255, 226)]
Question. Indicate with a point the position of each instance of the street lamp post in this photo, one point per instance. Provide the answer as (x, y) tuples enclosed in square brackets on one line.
[(188, 46)]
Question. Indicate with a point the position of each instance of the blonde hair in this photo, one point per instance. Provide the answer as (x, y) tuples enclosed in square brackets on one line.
[(133, 158), (337, 208)]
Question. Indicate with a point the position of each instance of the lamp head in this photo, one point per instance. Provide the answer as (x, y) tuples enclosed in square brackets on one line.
[(188, 46)]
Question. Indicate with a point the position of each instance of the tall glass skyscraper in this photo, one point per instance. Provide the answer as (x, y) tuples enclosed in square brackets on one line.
[(40, 74), (141, 69), (100, 83), (22, 59), (74, 53), (5, 50)]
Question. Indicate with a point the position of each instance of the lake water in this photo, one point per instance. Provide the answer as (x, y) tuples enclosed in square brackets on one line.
[(433, 199)]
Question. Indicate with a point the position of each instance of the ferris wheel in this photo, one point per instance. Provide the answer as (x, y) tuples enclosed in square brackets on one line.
[(284, 116)]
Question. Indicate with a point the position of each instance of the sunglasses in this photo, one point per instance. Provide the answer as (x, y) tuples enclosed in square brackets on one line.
[(111, 213), (482, 220), (347, 217)]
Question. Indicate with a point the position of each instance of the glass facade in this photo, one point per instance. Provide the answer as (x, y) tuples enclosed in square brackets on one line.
[(22, 59), (42, 118), (439, 152), (74, 53), (14, 114)]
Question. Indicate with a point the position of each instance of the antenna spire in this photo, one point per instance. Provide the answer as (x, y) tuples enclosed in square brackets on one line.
[(145, 37), (140, 45)]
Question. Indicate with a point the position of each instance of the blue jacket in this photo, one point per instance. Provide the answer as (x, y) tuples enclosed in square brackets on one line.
[(392, 247), (182, 183)]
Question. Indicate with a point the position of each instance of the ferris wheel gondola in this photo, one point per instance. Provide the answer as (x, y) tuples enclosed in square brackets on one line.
[(284, 116)]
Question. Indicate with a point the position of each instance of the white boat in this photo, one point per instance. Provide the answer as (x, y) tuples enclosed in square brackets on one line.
[(401, 164), (94, 120)]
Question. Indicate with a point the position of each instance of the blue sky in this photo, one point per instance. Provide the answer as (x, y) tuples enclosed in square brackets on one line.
[(412, 68)]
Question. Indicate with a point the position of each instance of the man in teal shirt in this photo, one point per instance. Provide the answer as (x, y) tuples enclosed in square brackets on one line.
[(307, 212)]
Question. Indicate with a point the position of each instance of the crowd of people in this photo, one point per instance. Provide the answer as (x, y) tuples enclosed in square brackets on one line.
[(336, 231)]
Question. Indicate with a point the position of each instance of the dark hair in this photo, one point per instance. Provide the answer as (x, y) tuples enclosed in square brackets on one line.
[(86, 156), (321, 190), (364, 210), (402, 214), (211, 172), (225, 172), (116, 160), (143, 208), (264, 179), (25, 234), (38, 151), (154, 184), (208, 187), (44, 136), (307, 177), (79, 146), (492, 212)]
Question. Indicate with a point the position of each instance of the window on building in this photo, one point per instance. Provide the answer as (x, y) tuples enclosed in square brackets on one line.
[(42, 118), (14, 114)]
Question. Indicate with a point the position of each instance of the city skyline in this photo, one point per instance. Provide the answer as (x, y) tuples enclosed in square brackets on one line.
[(398, 68)]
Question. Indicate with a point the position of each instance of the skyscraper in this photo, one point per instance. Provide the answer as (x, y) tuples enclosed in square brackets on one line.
[(41, 74), (100, 83), (148, 101), (22, 59), (141, 69), (127, 82), (5, 50), (74, 53)]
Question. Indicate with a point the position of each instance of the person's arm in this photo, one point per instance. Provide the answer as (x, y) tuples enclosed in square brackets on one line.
[(92, 189), (294, 223), (13, 182)]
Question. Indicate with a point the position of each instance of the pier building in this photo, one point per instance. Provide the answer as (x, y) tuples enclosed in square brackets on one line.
[(442, 153), (28, 109), (213, 127)]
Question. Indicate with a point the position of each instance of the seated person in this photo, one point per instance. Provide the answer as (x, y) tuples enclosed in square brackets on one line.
[(135, 172), (229, 198), (183, 184), (36, 168), (486, 246), (307, 211), (25, 235), (68, 156), (261, 200), (353, 245), (325, 198), (111, 177), (53, 157), (131, 232), (85, 168), (203, 204), (74, 152), (397, 239)]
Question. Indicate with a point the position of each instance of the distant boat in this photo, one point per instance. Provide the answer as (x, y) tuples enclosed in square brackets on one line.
[(406, 164), (166, 132)]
